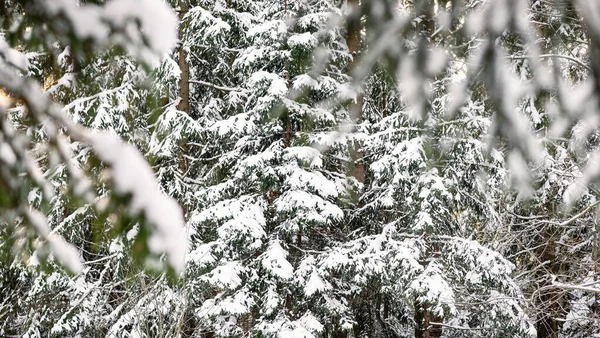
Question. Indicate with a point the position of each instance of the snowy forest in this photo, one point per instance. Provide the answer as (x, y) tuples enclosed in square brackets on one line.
[(299, 168)]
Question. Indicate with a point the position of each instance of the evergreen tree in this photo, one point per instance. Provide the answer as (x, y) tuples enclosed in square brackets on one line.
[(268, 197), (67, 195), (345, 168)]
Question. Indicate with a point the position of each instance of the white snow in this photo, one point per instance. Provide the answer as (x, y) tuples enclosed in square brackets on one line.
[(274, 260), (304, 40), (310, 20), (238, 303), (591, 172), (299, 179), (305, 327), (116, 246), (347, 91), (154, 19), (308, 207), (241, 218), (414, 87), (497, 155), (12, 56), (437, 60), (226, 275), (86, 20), (271, 300), (305, 81), (423, 221), (201, 19), (236, 125), (519, 172), (500, 17), (315, 284), (431, 287), (310, 322), (7, 155), (66, 253), (202, 255), (131, 175), (336, 258), (268, 31), (306, 154), (277, 85)]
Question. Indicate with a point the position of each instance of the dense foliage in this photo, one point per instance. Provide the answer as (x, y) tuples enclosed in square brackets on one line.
[(299, 168)]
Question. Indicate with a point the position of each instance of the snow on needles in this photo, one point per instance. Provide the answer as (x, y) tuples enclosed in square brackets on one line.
[(153, 18), (132, 175), (12, 56), (66, 253)]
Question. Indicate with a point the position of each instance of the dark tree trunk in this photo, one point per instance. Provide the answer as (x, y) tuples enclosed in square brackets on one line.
[(353, 40), (184, 81), (188, 324), (184, 86), (423, 319), (546, 324)]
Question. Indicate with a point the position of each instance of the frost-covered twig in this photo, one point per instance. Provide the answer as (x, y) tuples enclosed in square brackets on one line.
[(456, 327), (559, 56), (212, 85)]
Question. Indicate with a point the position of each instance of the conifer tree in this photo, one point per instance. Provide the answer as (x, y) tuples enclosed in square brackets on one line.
[(268, 195), (344, 168), (98, 209)]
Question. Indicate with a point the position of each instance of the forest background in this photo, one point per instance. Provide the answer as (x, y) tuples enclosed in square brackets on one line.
[(299, 168)]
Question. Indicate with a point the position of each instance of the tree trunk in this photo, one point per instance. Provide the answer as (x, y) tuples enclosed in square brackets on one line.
[(187, 324), (184, 81), (546, 324), (423, 319), (184, 86), (353, 40), (423, 314), (595, 262)]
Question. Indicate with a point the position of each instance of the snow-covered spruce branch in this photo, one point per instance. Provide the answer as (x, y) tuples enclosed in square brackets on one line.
[(551, 56), (456, 327), (541, 220), (574, 287), (131, 174), (81, 100), (212, 85)]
